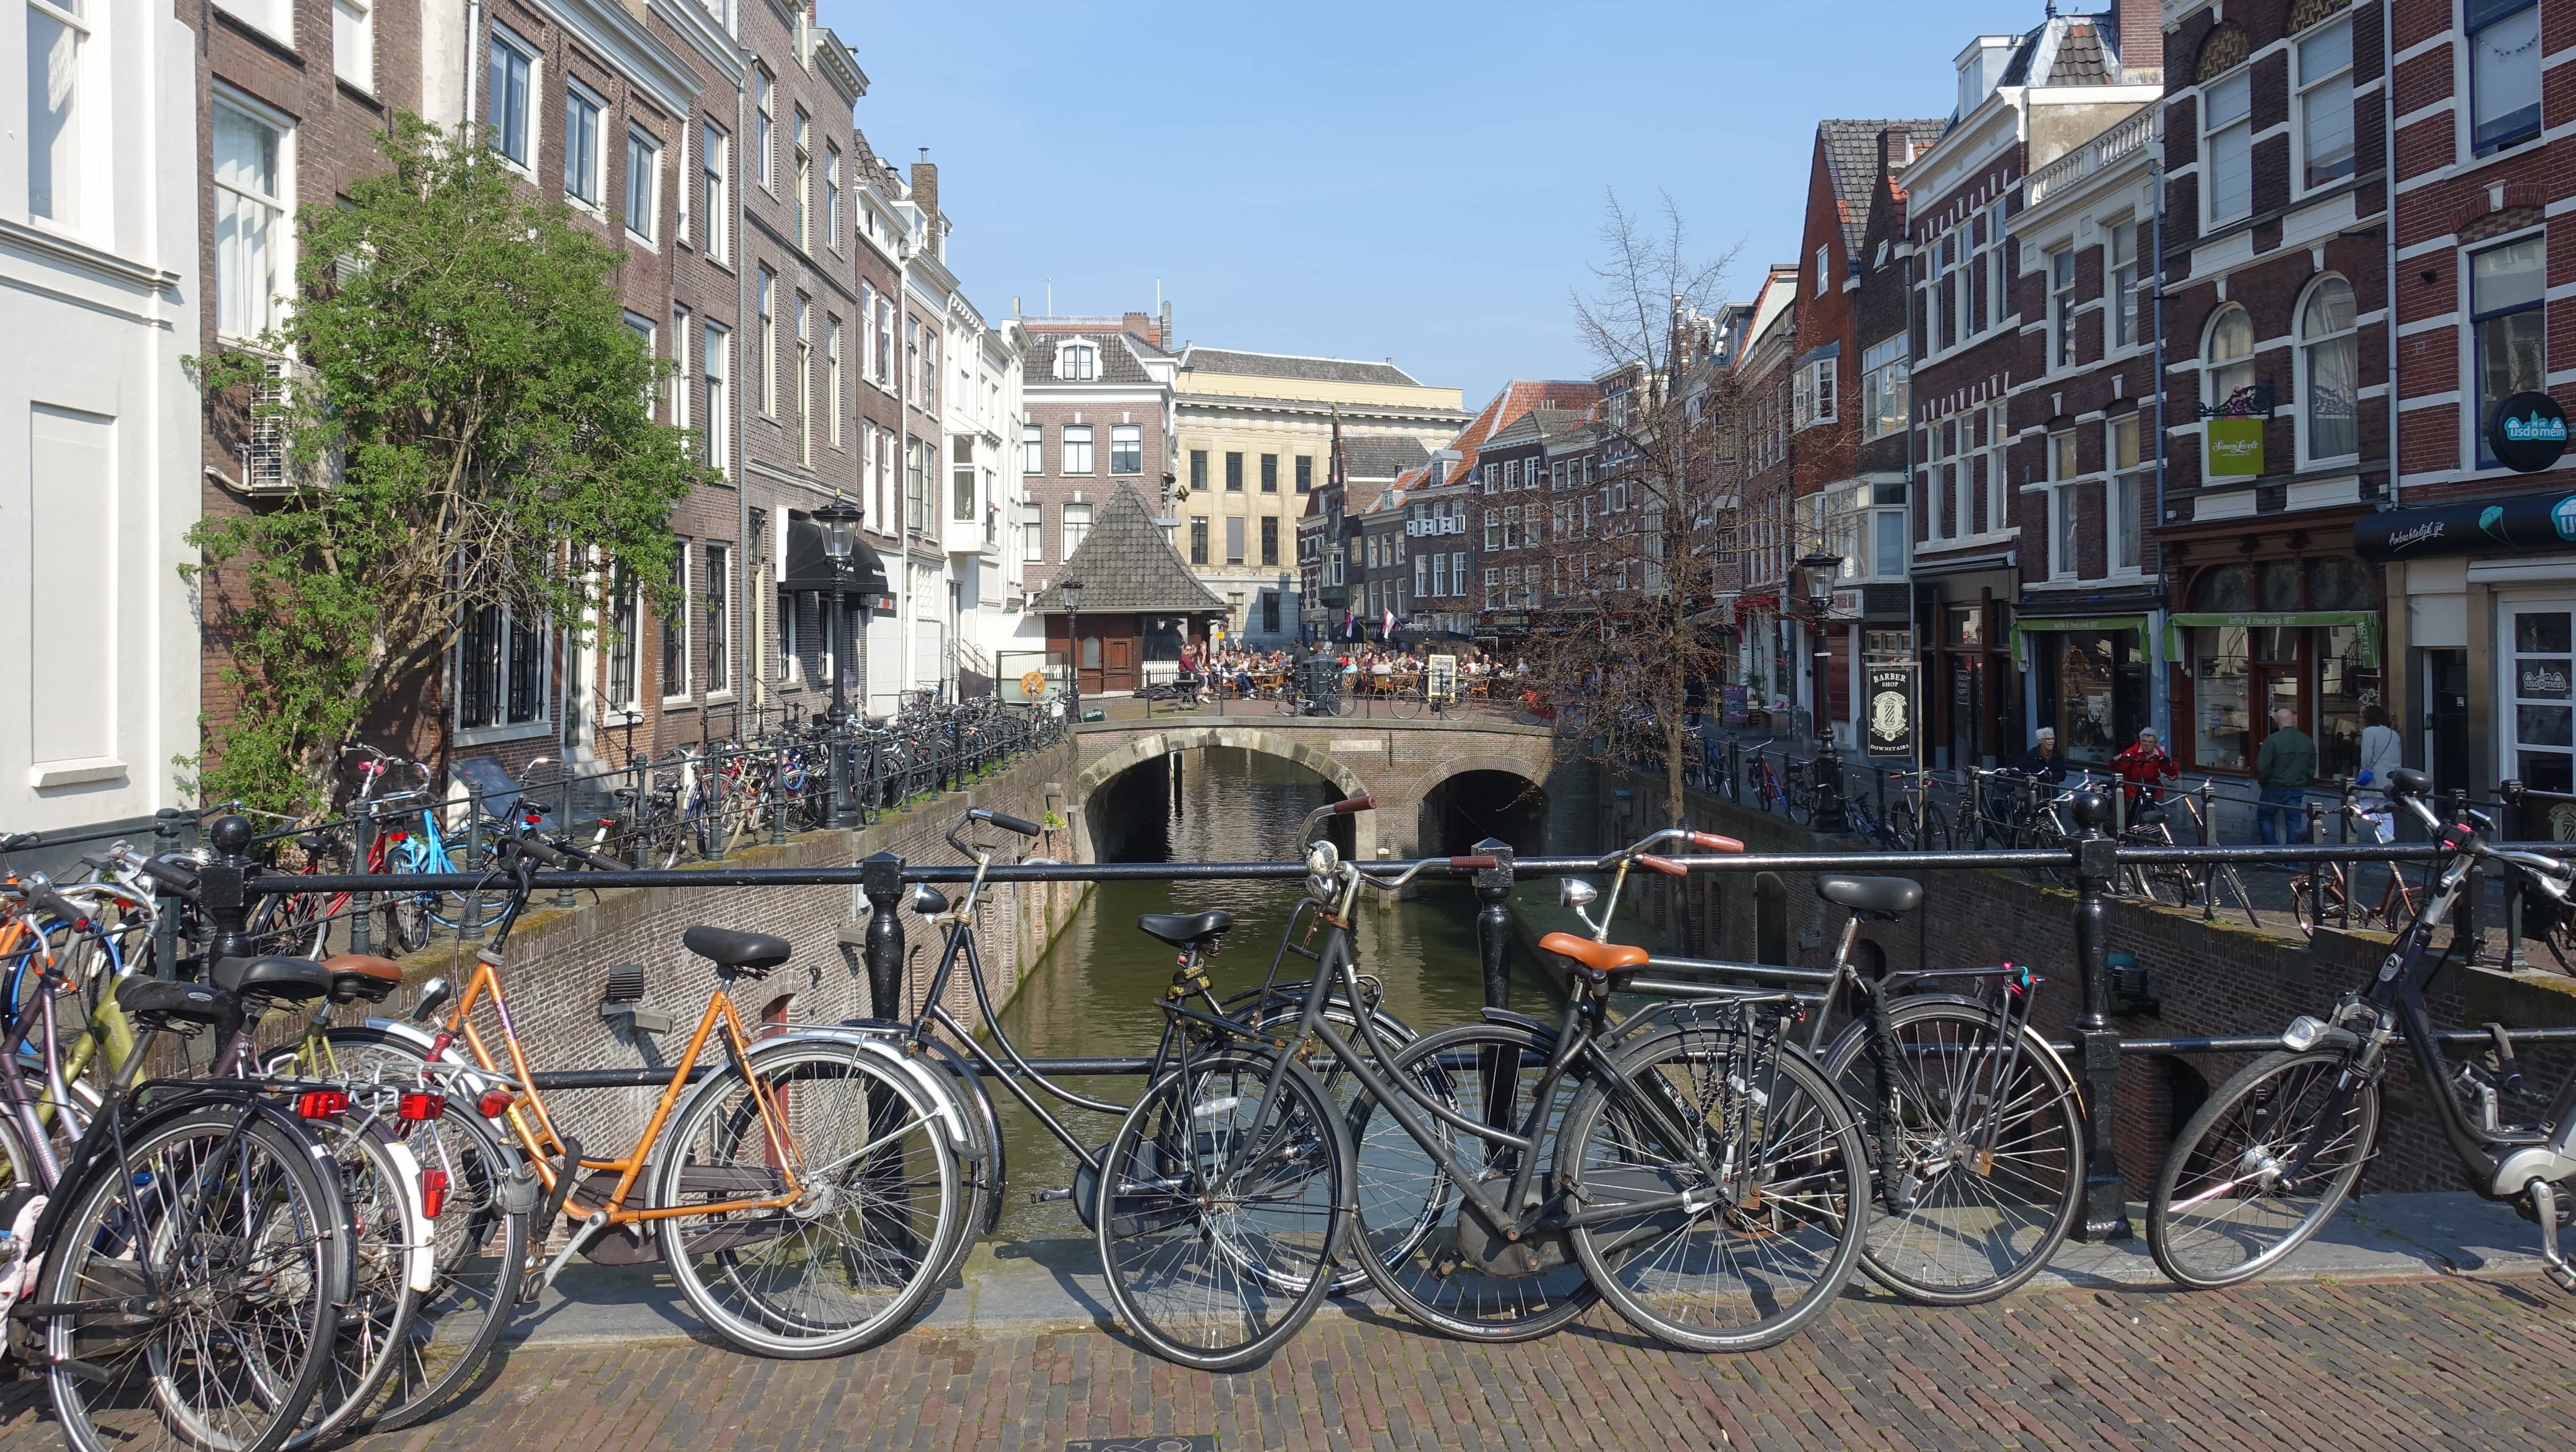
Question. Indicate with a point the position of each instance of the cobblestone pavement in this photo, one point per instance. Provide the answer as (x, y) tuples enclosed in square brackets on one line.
[(2436, 1362)]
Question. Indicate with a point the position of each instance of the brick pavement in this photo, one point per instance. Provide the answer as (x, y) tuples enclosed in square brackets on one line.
[(2368, 1365)]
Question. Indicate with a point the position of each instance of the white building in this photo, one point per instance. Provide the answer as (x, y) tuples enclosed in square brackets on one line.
[(99, 421)]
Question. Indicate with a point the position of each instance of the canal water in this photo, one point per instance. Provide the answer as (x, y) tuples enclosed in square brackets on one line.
[(1094, 992)]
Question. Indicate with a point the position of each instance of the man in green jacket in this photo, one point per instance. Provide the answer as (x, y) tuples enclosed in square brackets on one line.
[(2283, 769)]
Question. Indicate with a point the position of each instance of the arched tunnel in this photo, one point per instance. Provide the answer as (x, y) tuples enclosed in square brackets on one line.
[(1465, 809), (1150, 813)]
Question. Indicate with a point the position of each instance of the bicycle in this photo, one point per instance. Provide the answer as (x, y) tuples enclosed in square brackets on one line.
[(2318, 891), (2265, 1163), (1762, 782)]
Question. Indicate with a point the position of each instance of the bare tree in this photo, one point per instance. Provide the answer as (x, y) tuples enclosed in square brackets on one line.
[(1633, 641)]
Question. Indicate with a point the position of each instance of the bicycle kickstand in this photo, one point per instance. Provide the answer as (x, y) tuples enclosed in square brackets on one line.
[(2544, 1205)]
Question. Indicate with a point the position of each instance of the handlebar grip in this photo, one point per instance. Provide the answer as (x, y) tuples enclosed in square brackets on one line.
[(1664, 865), (1354, 804), (1006, 821), (175, 878), (1478, 863), (545, 852), (18, 841), (39, 894), (1711, 842)]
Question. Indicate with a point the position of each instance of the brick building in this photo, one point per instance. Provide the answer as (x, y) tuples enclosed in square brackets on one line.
[(1096, 414), (1359, 473), (1520, 553), (1770, 658)]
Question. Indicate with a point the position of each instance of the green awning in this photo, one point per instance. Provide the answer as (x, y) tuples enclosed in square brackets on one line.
[(2366, 621), (2040, 625)]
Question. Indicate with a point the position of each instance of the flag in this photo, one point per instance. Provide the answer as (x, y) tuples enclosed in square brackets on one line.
[(1386, 627)]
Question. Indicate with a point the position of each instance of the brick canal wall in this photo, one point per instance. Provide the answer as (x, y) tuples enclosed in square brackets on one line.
[(559, 958), (2202, 978)]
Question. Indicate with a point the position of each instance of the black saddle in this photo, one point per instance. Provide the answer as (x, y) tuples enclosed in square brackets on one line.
[(283, 980), (1878, 897), (159, 1001), (1184, 930), (740, 951)]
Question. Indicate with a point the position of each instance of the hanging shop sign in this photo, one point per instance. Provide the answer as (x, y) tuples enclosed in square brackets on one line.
[(2521, 524), (2235, 448), (1891, 706), (2527, 432)]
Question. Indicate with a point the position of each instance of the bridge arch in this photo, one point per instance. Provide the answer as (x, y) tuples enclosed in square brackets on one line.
[(1438, 789), (1245, 738)]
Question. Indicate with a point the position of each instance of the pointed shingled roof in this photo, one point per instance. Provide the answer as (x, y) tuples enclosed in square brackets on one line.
[(1128, 567), (1851, 163)]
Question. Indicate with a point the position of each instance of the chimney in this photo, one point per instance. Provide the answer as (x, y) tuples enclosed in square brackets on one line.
[(2142, 38), (1138, 325), (1164, 339), (925, 188)]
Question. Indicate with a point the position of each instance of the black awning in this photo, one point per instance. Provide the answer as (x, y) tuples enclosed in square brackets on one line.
[(809, 567), (2520, 524)]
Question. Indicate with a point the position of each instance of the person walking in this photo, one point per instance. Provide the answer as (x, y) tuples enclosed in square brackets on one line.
[(2381, 753), (2282, 770), (2145, 767), (2043, 761)]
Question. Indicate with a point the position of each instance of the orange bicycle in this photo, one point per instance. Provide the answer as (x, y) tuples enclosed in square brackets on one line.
[(803, 1193)]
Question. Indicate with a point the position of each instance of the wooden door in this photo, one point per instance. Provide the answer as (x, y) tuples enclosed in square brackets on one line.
[(1119, 657)]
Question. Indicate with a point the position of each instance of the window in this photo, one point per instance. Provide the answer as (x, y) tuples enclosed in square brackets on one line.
[(764, 128), (1234, 539), (1078, 363), (353, 42), (675, 630), (1305, 473), (581, 147), (679, 367), (2325, 105), (500, 670), (2129, 484), (804, 181), (2504, 71), (1824, 266), (961, 479), (1458, 572), (2062, 469), (1033, 532), (2229, 356), (2329, 371), (1270, 539), (622, 645), (682, 227), (1817, 384), (1882, 389), (1198, 471), (714, 155), (1891, 535), (1439, 574), (832, 371), (1270, 473), (1998, 487), (804, 381), (832, 196), (1033, 448), (276, 17), (719, 371), (885, 340), (2227, 146), (643, 184), (766, 299), (929, 395), (916, 486), (719, 618), (513, 82), (2505, 286), (2121, 255), (57, 48), (1198, 539), (1126, 448), (1077, 449), (1493, 529), (250, 221), (1233, 473), (1511, 475), (2061, 308)]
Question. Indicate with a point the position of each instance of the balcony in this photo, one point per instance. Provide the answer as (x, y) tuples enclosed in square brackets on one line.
[(2098, 154)]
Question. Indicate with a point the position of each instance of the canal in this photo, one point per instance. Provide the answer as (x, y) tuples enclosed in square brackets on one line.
[(1094, 992)]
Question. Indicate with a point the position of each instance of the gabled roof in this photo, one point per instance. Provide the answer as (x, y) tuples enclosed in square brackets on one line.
[(1127, 566), (1517, 398), (1289, 365), (1118, 360), (1381, 456), (2068, 50), (1851, 164)]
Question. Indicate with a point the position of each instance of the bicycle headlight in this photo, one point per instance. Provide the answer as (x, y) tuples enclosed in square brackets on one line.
[(2309, 1032), (1322, 860)]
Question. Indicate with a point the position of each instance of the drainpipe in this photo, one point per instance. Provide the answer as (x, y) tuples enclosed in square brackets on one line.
[(473, 37), (2392, 673), (2160, 697), (741, 399)]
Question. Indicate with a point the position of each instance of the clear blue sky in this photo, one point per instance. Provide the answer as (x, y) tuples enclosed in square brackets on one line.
[(1373, 180)]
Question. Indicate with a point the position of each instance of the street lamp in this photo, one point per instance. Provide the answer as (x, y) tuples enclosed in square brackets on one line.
[(1820, 570), (839, 523), (1073, 640)]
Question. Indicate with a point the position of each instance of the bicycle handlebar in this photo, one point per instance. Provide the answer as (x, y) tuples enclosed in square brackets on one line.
[(37, 891), (1005, 821), (1362, 803), (1663, 865)]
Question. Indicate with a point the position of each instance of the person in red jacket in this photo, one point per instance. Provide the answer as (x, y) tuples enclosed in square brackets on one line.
[(2145, 767)]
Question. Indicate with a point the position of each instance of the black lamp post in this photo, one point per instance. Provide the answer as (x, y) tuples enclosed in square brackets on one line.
[(839, 522), (1073, 640), (1820, 570)]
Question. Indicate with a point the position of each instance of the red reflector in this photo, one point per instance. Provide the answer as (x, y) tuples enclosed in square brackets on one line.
[(322, 1104), (433, 1192), (494, 1103), (420, 1104)]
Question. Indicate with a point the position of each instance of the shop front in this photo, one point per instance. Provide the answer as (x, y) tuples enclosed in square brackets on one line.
[(2091, 678), (1972, 694), (2301, 633)]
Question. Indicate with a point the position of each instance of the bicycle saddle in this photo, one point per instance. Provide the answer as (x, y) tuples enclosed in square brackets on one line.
[(159, 1000), (362, 975), (1599, 957), (281, 979), (1878, 897), (735, 949), (1182, 930)]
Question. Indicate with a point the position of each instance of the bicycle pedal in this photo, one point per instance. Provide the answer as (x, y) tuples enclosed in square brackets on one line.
[(1051, 1197)]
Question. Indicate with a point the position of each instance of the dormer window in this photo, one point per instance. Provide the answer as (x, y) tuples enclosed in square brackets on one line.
[(1077, 362)]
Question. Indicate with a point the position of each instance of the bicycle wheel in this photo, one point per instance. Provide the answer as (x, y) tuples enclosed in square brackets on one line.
[(1902, 829), (1419, 1239), (1220, 1206), (1989, 1151), (1406, 704), (2310, 899), (2261, 1167), (1936, 828), (237, 1225), (1345, 702), (384, 1223), (1801, 797), (1772, 1167), (848, 1262), (1277, 1011), (289, 925)]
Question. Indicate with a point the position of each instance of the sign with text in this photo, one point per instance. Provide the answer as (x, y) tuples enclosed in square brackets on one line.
[(1730, 705), (1889, 701), (2235, 448), (1440, 676), (2527, 432)]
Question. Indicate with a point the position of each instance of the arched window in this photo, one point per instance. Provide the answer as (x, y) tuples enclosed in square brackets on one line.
[(2329, 371), (2224, 588), (2229, 355)]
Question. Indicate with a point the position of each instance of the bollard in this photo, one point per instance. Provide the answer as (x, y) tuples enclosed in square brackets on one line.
[(2316, 835), (2513, 959), (362, 905), (1494, 921), (219, 891), (881, 879), (165, 924), (2106, 1211), (843, 787)]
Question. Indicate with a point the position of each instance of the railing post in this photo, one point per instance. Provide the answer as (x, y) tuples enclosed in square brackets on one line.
[(2106, 1211), (362, 905), (843, 789), (777, 796), (1494, 922), (219, 891), (881, 879), (165, 925), (2466, 936), (469, 925), (2316, 835), (2208, 870), (2513, 960), (2351, 870)]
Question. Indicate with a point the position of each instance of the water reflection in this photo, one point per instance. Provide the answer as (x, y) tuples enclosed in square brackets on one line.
[(1094, 992)]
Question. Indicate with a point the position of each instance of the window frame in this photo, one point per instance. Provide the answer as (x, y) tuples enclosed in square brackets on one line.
[(2305, 349), (2241, 125), (2061, 308), (1033, 448), (719, 613), (2303, 87), (716, 368), (530, 97), (679, 628), (594, 171), (639, 139), (715, 180), (2120, 279), (2471, 27), (500, 728), (365, 33), (1127, 446), (2474, 319), (2211, 367), (1066, 445), (279, 243)]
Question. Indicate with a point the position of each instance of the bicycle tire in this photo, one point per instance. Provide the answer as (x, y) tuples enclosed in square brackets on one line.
[(1407, 705), (1799, 1201), (1278, 1010), (2201, 1151), (384, 1219), (1901, 826), (1801, 797), (277, 1205), (2307, 894), (1413, 1226), (857, 1284), (2032, 1172), (1226, 1309), (1345, 702), (1936, 828)]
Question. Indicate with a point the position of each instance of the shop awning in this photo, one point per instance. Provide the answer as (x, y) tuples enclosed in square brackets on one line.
[(2520, 524), (809, 566), (2024, 625), (2366, 621)]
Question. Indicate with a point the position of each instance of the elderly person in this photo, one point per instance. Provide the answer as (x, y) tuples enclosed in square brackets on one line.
[(2145, 766), (2283, 769), (2043, 761)]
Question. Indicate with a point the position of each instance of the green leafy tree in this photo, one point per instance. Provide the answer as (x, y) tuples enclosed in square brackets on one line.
[(472, 426)]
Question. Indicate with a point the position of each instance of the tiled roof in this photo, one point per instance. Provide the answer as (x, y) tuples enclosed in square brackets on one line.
[(2067, 50), (1381, 456), (1851, 164), (1118, 362), (1517, 398), (1127, 566), (1283, 365), (2082, 59)]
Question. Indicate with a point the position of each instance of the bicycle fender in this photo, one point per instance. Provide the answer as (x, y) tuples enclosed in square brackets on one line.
[(877, 1050), (965, 1073), (422, 1258), (2037, 1040), (1518, 1020), (472, 1083)]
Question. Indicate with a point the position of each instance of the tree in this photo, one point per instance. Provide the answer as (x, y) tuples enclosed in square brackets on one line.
[(1635, 646), (471, 426)]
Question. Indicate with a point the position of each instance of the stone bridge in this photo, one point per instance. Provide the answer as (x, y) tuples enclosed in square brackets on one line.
[(1436, 781)]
